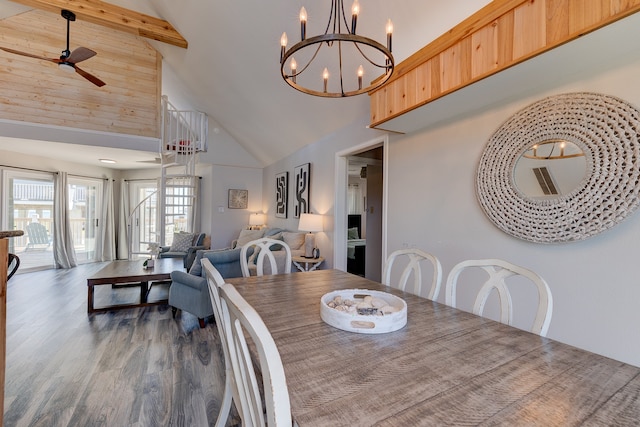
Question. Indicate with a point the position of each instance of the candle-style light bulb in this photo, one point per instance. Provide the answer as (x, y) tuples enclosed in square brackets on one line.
[(294, 68), (389, 33), (283, 45), (355, 10), (303, 23), (360, 74), (325, 77), (562, 145)]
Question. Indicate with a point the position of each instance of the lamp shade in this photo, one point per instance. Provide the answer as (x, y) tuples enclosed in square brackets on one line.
[(310, 222), (256, 219)]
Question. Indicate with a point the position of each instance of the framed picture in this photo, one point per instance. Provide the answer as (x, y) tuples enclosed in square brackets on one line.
[(238, 199), (282, 187), (302, 178)]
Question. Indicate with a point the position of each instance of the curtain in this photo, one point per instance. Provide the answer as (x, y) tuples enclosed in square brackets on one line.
[(354, 199), (64, 255), (105, 246), (122, 239)]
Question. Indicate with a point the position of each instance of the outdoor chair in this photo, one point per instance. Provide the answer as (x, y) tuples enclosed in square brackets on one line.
[(37, 235)]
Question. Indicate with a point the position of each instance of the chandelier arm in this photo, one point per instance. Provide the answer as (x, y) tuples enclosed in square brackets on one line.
[(331, 17), (344, 18), (303, 68), (340, 67), (369, 60)]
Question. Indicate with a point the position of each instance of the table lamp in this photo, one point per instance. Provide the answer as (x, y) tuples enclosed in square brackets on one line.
[(311, 223), (256, 220)]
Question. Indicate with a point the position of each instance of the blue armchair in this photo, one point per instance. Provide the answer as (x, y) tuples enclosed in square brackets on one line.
[(189, 291), (188, 253)]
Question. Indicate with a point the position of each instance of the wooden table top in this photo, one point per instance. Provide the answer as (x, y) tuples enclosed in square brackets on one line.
[(131, 271), (444, 367), (11, 233)]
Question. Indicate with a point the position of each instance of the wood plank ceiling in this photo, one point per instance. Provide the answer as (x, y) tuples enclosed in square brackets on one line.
[(114, 17), (36, 91)]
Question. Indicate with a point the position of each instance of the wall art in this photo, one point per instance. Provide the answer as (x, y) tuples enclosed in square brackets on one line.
[(302, 176), (282, 186), (238, 199)]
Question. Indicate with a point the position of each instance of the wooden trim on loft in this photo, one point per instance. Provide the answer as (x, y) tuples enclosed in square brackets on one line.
[(115, 17), (498, 36)]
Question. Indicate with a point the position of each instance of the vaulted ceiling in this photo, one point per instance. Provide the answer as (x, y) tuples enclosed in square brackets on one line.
[(231, 67)]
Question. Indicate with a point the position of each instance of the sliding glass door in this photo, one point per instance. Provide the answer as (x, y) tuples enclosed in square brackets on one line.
[(84, 206), (28, 206)]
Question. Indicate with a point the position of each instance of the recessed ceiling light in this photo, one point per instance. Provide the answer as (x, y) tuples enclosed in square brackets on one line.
[(107, 161)]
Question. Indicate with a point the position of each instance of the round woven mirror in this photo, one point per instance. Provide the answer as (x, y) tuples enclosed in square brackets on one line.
[(603, 128)]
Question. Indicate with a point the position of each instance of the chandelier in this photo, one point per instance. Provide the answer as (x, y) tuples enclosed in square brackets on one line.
[(325, 57)]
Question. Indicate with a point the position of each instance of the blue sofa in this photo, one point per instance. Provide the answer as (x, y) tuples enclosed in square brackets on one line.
[(189, 291)]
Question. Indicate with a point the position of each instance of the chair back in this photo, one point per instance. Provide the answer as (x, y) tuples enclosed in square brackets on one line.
[(499, 270), (214, 281), (37, 234), (263, 248), (242, 321), (415, 257)]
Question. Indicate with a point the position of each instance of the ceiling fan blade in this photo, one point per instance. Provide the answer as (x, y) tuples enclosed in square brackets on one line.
[(80, 54), (93, 79), (17, 52)]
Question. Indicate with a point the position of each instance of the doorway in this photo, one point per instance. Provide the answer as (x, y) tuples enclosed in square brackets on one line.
[(360, 233)]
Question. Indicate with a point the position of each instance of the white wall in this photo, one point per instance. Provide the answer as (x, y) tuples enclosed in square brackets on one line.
[(226, 223), (432, 205)]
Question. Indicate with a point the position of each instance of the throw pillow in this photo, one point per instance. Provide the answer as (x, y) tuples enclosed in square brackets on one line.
[(352, 233), (294, 240), (256, 251), (248, 235), (181, 242), (196, 267)]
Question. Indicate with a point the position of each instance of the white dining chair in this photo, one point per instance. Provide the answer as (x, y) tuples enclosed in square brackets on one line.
[(263, 249), (415, 257), (499, 270), (214, 281), (242, 321)]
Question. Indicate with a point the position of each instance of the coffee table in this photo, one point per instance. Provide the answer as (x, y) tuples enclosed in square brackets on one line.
[(132, 273)]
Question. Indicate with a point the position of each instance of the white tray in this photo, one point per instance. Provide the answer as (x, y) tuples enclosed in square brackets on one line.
[(364, 324)]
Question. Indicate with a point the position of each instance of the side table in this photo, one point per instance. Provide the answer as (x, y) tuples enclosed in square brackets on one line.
[(306, 264)]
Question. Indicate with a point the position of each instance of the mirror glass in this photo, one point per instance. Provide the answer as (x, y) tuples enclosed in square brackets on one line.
[(550, 169)]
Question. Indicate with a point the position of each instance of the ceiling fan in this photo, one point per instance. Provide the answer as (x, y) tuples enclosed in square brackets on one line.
[(68, 59)]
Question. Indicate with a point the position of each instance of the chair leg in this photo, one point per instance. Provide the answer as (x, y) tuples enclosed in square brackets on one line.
[(201, 322), (225, 408), (173, 312)]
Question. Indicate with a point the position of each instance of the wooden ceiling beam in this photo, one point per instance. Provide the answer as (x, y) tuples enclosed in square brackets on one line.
[(115, 17)]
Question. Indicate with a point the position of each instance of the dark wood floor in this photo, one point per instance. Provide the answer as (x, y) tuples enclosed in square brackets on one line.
[(135, 367)]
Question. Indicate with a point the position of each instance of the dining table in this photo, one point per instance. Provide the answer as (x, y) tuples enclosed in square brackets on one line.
[(446, 366)]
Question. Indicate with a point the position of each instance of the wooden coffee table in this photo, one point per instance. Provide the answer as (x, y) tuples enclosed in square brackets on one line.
[(132, 273)]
